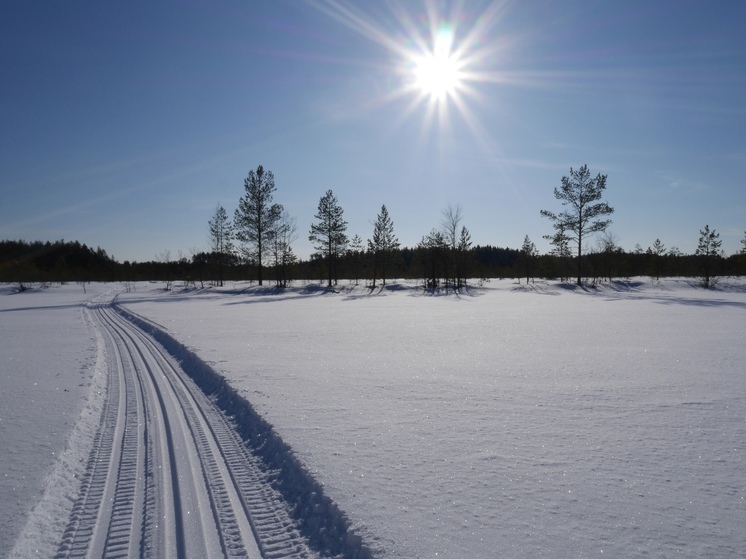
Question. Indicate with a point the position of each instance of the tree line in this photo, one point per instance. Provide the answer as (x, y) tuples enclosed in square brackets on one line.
[(256, 245)]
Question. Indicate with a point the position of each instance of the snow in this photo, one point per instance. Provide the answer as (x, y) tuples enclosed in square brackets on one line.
[(510, 421), (47, 395)]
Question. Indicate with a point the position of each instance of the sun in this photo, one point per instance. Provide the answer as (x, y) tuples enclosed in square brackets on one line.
[(438, 73)]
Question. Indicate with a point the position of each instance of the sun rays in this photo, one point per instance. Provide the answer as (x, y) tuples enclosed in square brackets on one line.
[(438, 73), (439, 61)]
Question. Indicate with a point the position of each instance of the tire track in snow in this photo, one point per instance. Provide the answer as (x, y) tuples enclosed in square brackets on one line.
[(169, 475), (153, 486), (227, 463)]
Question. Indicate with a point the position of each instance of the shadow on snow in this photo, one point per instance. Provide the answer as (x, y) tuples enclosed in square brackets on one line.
[(325, 526)]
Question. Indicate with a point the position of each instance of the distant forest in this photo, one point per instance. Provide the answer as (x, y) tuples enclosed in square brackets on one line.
[(256, 245), (25, 263)]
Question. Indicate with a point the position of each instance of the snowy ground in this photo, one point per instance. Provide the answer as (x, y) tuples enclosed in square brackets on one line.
[(47, 359), (508, 422)]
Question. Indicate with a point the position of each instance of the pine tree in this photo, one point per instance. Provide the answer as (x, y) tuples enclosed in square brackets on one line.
[(582, 194), (464, 251), (329, 233), (433, 248), (383, 242), (356, 253), (256, 216), (221, 240), (708, 250), (529, 253), (658, 251)]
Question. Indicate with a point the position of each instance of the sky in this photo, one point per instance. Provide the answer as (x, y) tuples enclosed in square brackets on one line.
[(124, 125)]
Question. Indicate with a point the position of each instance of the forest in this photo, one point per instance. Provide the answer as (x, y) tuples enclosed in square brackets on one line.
[(256, 245), (26, 263)]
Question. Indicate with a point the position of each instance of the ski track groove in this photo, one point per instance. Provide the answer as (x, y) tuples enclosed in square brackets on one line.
[(131, 478)]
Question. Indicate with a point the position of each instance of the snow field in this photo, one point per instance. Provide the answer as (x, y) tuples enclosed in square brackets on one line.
[(51, 382), (501, 423), (507, 422)]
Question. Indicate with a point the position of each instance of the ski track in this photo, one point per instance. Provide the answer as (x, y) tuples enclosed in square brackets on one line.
[(168, 475)]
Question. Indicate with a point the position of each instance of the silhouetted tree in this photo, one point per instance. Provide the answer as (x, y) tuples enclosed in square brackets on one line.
[(165, 259), (560, 248), (608, 250), (529, 253), (451, 219), (657, 251), (582, 194), (433, 249), (356, 255), (463, 251), (255, 218), (708, 251), (221, 240), (382, 244), (329, 233), (283, 236)]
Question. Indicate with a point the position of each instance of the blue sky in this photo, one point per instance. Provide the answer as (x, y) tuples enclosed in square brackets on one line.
[(123, 125)]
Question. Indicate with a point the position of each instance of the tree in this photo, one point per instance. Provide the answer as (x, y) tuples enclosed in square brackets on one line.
[(383, 242), (743, 242), (329, 233), (708, 250), (561, 248), (451, 219), (463, 250), (283, 236), (256, 215), (165, 259), (582, 194), (433, 248), (529, 253), (609, 249), (221, 240), (356, 251), (658, 251)]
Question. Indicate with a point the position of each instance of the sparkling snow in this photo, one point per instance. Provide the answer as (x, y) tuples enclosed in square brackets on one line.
[(506, 422)]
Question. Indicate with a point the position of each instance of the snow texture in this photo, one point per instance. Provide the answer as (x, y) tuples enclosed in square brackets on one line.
[(508, 421)]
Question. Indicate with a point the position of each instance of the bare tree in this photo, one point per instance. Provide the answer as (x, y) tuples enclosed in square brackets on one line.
[(581, 194), (164, 257), (450, 221), (255, 218)]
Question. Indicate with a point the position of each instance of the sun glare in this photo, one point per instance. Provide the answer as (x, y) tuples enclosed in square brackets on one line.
[(437, 73), (441, 57)]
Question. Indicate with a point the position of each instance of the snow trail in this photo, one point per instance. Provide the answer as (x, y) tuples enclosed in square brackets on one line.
[(168, 474)]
